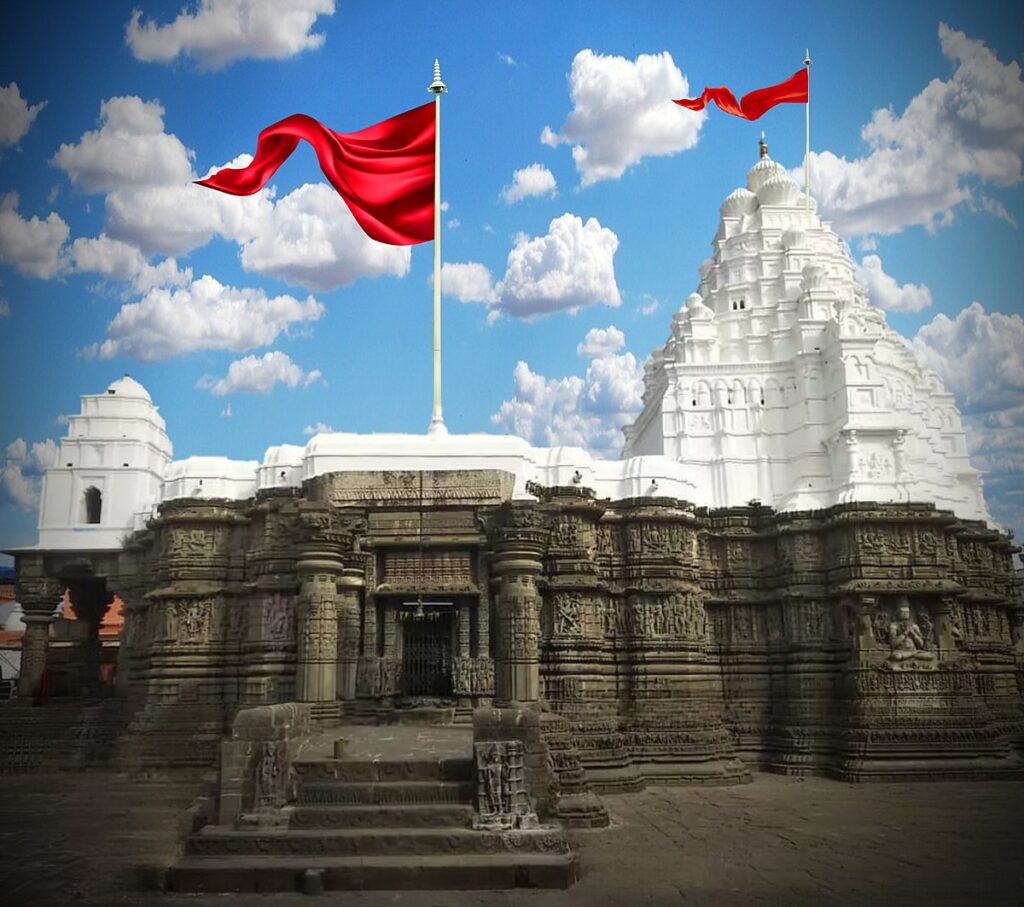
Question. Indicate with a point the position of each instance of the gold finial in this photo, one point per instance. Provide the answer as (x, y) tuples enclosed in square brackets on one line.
[(437, 86), (763, 145)]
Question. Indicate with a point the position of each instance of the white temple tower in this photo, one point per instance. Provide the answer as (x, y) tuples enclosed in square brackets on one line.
[(782, 383), (109, 471)]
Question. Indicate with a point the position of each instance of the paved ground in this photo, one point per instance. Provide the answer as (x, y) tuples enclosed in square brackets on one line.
[(79, 839)]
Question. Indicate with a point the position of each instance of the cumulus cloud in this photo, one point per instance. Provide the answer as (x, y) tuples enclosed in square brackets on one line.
[(219, 32), (886, 293), (601, 342), (117, 260), (23, 467), (980, 357), (588, 411), (468, 282), (569, 268), (33, 246), (16, 115), (533, 180), (622, 112), (205, 315), (310, 238), (129, 150), (921, 163), (259, 375)]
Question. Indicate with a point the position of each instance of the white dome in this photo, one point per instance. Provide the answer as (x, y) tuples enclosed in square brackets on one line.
[(741, 201), (761, 172), (698, 311), (129, 387), (778, 190)]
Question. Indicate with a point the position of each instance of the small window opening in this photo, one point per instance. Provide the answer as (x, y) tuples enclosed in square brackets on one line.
[(93, 505)]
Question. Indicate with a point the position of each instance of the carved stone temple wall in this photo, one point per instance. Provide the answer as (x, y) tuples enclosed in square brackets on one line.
[(675, 644)]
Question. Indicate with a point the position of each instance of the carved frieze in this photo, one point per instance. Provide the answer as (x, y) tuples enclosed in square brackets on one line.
[(473, 676)]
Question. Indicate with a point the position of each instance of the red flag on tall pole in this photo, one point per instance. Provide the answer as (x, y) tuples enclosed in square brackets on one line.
[(385, 173), (755, 103)]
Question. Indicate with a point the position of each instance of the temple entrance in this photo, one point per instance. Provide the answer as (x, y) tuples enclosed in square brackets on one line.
[(427, 654)]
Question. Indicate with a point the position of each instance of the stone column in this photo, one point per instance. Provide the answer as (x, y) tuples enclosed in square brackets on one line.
[(463, 629), (90, 601), (316, 667), (483, 609), (350, 586), (517, 566), (39, 596)]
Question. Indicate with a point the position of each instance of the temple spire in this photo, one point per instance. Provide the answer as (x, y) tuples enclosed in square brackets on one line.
[(763, 145)]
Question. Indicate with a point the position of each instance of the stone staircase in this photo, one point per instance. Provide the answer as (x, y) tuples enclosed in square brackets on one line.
[(365, 823)]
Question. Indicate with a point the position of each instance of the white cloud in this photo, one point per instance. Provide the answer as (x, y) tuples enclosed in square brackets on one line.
[(117, 260), (16, 116), (129, 150), (205, 315), (588, 412), (321, 428), (454, 224), (980, 357), (226, 413), (32, 246), (623, 112), (467, 281), (310, 238), (886, 293), (601, 342), (219, 32), (5, 309), (23, 466), (569, 268), (922, 162), (533, 180), (259, 375), (507, 60)]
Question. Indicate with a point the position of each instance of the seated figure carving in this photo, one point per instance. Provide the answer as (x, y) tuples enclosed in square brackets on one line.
[(907, 647)]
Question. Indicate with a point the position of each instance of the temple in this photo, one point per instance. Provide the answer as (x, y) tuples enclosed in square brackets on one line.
[(791, 568)]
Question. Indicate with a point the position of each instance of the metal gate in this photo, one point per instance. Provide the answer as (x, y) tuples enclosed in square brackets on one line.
[(427, 656)]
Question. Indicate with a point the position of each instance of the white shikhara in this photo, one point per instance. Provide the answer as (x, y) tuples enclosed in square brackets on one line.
[(782, 383)]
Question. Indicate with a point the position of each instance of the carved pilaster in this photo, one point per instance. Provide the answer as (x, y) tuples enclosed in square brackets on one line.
[(318, 569), (518, 548)]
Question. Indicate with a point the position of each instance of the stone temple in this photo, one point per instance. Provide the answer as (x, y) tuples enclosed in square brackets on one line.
[(792, 568)]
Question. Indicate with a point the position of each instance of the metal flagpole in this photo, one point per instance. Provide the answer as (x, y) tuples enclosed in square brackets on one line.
[(807, 136), (437, 87)]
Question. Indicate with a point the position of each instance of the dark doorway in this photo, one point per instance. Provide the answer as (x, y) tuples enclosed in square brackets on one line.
[(427, 655), (93, 504)]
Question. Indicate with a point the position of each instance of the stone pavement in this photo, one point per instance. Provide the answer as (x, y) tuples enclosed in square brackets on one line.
[(81, 838)]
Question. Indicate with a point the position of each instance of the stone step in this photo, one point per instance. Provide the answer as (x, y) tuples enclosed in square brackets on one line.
[(378, 794), (428, 815), (372, 842), (322, 771), (314, 874)]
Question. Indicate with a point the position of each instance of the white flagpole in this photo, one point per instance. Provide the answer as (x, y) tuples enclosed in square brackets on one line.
[(438, 87), (807, 137)]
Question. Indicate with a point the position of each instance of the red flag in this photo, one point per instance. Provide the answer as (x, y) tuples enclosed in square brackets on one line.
[(385, 173), (792, 91)]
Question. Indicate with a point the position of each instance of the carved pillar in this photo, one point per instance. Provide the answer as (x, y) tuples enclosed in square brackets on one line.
[(517, 566), (350, 586), (483, 608), (316, 668), (463, 629), (946, 630), (39, 596)]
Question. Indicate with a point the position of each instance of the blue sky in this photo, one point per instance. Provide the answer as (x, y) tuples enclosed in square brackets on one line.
[(251, 322)]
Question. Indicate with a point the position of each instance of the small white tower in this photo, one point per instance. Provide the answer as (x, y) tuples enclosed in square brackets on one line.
[(108, 473)]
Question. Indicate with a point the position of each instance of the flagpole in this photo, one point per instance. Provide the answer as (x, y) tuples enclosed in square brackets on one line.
[(438, 87), (807, 136)]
